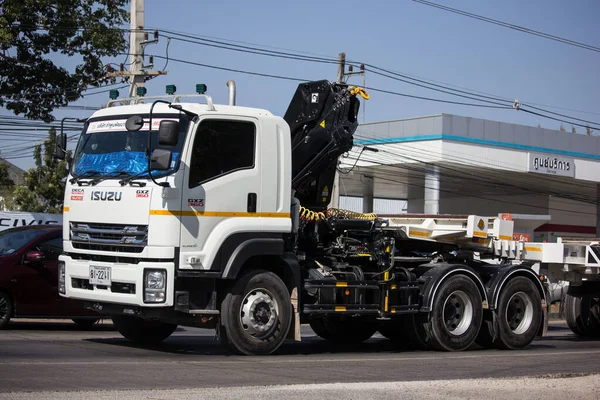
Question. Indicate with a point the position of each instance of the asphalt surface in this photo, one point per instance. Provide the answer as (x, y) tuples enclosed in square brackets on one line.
[(37, 357)]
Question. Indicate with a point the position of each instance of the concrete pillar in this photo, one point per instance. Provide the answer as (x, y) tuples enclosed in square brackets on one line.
[(415, 194), (432, 190), (368, 191)]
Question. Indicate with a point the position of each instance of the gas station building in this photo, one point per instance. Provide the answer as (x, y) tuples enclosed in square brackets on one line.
[(547, 180)]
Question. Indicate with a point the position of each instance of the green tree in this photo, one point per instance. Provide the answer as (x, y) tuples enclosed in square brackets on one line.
[(33, 30), (5, 181), (6, 186), (45, 184)]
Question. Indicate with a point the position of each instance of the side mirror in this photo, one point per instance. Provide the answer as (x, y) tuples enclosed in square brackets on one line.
[(34, 257), (161, 159), (168, 133), (60, 149)]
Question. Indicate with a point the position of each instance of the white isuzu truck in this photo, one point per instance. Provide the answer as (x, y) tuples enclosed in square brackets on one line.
[(179, 212)]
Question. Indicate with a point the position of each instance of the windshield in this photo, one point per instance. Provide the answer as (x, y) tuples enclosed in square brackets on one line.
[(108, 148), (12, 240)]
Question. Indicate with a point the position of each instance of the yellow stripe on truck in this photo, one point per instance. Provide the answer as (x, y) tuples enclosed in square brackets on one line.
[(533, 249), (192, 213)]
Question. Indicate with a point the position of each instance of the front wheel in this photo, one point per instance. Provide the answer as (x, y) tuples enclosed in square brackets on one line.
[(256, 314), (455, 318), (141, 331)]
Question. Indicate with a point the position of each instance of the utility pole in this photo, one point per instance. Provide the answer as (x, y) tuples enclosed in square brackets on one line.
[(136, 36), (138, 72), (335, 190), (341, 67), (341, 73)]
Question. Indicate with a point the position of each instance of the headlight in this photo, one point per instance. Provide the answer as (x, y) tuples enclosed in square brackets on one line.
[(155, 279), (61, 277), (155, 283)]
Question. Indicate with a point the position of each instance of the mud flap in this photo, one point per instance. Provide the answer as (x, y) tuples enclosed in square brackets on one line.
[(294, 332), (543, 330)]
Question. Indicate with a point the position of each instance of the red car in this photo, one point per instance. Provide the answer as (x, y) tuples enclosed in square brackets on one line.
[(29, 277)]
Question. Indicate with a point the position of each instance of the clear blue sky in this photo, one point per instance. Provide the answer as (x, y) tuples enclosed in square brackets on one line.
[(400, 35)]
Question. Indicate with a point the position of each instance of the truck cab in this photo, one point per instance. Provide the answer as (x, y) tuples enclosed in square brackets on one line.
[(226, 187)]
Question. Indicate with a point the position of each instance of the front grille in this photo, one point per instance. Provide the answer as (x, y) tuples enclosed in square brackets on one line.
[(125, 238)]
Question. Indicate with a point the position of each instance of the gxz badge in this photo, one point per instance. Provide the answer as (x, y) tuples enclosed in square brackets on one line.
[(196, 202), (142, 193)]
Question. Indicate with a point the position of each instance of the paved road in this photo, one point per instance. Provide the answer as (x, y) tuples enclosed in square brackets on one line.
[(60, 357)]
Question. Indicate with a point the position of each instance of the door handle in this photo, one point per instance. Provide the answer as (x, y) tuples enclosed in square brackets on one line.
[(252, 200)]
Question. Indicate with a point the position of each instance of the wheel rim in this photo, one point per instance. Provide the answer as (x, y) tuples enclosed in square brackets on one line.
[(458, 313), (3, 308), (519, 313), (259, 313)]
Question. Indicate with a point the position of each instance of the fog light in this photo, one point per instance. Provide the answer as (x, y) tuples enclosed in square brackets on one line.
[(155, 283), (61, 278)]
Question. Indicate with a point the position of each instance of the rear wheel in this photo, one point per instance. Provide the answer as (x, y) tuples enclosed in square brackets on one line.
[(583, 314), (351, 330), (573, 313), (401, 330), (519, 314), (142, 331), (6, 309), (256, 314), (455, 318)]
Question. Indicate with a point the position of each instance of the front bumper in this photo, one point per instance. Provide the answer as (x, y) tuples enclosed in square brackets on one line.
[(127, 286)]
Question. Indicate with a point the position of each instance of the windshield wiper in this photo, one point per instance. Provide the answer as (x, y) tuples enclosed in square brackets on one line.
[(113, 174), (129, 179), (85, 174)]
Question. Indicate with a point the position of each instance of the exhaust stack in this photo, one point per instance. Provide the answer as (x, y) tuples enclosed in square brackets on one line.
[(231, 86)]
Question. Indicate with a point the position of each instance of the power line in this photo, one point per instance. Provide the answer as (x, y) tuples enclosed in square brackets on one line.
[(472, 95), (233, 69), (511, 26)]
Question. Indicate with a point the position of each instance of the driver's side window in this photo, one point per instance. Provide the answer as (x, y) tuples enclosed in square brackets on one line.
[(221, 147)]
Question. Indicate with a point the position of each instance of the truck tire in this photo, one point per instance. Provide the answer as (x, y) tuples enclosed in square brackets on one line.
[(455, 318), (318, 327), (6, 309), (256, 314), (402, 330), (141, 331), (351, 330), (396, 329), (519, 314), (573, 314), (583, 314), (592, 307)]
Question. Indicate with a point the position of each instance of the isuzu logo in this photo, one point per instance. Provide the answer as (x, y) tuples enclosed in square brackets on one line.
[(106, 196)]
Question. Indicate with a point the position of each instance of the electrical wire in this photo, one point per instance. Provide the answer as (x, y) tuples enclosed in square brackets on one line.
[(510, 26)]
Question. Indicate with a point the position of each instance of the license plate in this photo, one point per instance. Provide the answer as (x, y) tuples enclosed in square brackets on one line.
[(99, 275)]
